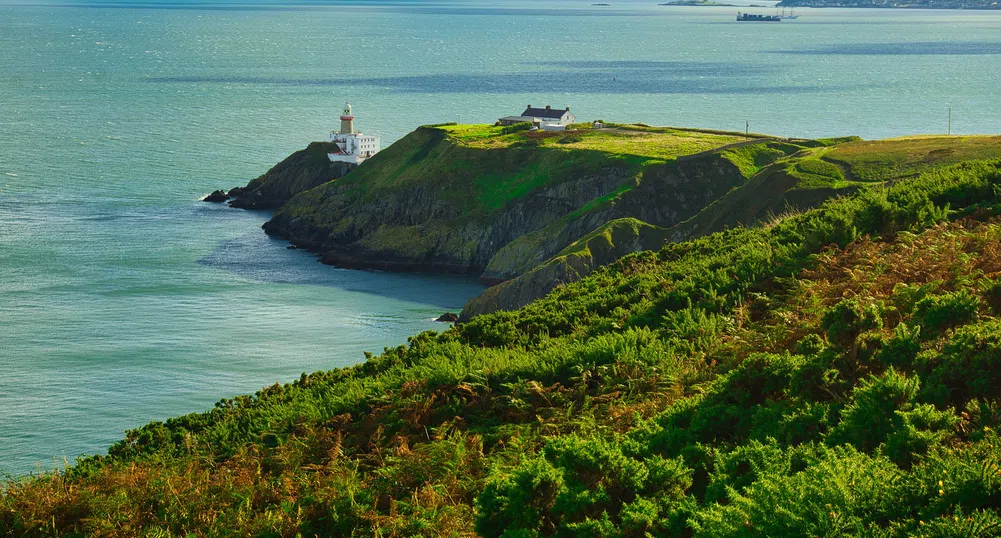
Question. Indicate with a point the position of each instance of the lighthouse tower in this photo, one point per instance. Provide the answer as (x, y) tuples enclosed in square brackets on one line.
[(350, 146), (347, 120)]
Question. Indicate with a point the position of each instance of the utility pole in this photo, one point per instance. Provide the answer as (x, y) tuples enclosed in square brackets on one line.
[(950, 120), (747, 127)]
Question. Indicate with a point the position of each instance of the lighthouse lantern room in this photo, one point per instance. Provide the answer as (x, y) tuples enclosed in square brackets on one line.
[(352, 147)]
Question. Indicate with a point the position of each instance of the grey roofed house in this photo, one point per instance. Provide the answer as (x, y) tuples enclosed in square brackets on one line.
[(548, 112), (511, 120), (542, 116)]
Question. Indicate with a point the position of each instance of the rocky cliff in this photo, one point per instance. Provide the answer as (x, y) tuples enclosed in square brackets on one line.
[(602, 246), (737, 185), (299, 172), (663, 195), (431, 203)]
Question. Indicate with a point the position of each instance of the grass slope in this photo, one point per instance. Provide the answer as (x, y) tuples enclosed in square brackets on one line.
[(833, 374), (905, 157), (655, 143)]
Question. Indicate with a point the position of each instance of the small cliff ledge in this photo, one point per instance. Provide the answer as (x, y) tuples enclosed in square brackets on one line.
[(301, 171)]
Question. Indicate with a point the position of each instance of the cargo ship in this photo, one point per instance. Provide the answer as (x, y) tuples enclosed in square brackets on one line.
[(749, 17)]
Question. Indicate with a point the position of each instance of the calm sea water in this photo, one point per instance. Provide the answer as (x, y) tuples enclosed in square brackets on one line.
[(123, 299)]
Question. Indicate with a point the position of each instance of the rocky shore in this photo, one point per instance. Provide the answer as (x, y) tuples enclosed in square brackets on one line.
[(301, 171)]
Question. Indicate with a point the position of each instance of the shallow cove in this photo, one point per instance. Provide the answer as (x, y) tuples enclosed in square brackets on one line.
[(123, 323)]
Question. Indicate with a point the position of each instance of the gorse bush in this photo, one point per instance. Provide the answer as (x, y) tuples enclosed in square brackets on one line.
[(516, 127), (938, 312), (832, 374), (847, 320)]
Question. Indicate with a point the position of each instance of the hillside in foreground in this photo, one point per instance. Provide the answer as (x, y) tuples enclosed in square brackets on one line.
[(830, 373)]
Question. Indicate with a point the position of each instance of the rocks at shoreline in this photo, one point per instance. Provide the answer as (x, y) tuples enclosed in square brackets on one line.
[(301, 171), (448, 317), (216, 197)]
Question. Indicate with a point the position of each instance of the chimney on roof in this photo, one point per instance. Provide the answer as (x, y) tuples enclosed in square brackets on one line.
[(547, 107), (568, 109), (529, 106)]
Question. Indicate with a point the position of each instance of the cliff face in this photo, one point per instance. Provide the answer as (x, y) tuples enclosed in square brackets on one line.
[(299, 172), (663, 196), (739, 185), (602, 246)]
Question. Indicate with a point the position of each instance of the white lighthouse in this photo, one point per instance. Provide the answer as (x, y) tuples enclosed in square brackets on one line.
[(352, 147)]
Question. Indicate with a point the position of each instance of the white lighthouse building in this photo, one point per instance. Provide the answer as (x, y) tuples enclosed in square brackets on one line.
[(353, 147)]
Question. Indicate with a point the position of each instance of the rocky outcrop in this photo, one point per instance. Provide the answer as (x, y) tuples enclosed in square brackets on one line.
[(299, 172), (216, 197), (424, 204), (429, 204)]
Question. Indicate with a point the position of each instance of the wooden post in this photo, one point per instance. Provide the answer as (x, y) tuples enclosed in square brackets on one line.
[(950, 121), (747, 127)]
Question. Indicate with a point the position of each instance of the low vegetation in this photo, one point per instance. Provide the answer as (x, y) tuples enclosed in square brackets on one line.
[(660, 143), (833, 373), (906, 157)]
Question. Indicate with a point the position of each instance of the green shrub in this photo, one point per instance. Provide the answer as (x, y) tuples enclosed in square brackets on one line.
[(806, 423), (845, 321), (574, 486), (920, 429), (906, 295), (872, 416), (902, 348), (811, 344), (940, 312), (992, 296), (517, 127), (736, 470), (952, 482), (842, 495), (968, 367)]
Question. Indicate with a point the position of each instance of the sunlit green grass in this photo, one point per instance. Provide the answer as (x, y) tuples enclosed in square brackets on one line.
[(879, 160), (661, 143)]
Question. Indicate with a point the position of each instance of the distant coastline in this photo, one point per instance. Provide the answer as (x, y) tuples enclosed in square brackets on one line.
[(918, 4), (703, 3)]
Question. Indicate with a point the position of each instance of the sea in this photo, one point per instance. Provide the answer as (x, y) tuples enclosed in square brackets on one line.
[(124, 299)]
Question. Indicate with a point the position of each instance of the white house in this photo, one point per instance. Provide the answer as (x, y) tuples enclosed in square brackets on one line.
[(352, 147), (548, 118)]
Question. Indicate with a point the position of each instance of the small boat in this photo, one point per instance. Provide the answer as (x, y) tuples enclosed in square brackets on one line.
[(750, 17)]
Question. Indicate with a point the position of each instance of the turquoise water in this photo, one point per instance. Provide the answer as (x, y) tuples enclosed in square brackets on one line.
[(123, 299)]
